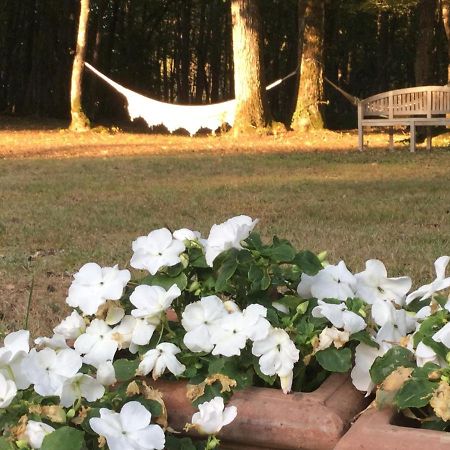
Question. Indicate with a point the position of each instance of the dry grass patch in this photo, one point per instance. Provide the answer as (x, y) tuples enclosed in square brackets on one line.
[(57, 214)]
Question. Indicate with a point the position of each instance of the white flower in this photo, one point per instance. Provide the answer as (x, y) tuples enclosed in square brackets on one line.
[(159, 359), (212, 416), (232, 331), (12, 356), (425, 354), (331, 335), (133, 331), (230, 335), (373, 284), (199, 319), (106, 374), (184, 234), (394, 323), (156, 250), (8, 391), (152, 300), (365, 355), (443, 335), (48, 370), (331, 282), (79, 386), (94, 285), (35, 433), (97, 344), (56, 342), (278, 355), (228, 235), (130, 429), (339, 316), (71, 327), (439, 284)]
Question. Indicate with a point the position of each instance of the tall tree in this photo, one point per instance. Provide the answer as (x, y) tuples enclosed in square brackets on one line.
[(252, 109), (423, 67), (79, 120), (308, 112), (445, 5)]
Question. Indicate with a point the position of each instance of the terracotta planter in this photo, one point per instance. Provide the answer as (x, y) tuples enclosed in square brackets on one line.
[(379, 430), (268, 419)]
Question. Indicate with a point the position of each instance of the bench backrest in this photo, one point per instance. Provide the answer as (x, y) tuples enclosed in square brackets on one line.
[(422, 101)]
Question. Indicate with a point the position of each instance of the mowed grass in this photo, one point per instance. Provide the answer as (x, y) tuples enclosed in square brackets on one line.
[(56, 215)]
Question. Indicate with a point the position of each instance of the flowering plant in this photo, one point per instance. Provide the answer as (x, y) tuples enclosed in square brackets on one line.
[(223, 312)]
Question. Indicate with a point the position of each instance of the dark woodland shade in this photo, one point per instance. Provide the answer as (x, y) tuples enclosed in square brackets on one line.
[(181, 51)]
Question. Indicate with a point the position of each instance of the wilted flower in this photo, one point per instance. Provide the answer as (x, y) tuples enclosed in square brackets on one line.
[(97, 344), (12, 356), (48, 370), (159, 359), (331, 335), (278, 355), (200, 319), (94, 285), (56, 342), (228, 235), (184, 234), (158, 249), (35, 433), (212, 416), (129, 429), (339, 316), (373, 284), (71, 327), (439, 284), (331, 282), (8, 391)]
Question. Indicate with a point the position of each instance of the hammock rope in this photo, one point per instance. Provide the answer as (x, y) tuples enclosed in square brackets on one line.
[(190, 117)]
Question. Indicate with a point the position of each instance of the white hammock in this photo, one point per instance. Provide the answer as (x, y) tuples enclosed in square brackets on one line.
[(173, 117)]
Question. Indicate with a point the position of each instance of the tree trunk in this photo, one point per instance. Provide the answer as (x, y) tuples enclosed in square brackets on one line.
[(308, 112), (252, 111), (446, 21), (79, 120), (423, 67)]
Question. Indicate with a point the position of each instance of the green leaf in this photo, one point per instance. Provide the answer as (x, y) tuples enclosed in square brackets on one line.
[(165, 281), (393, 358), (254, 241), (176, 443), (364, 337), (280, 251), (5, 445), (64, 438), (438, 347), (335, 360), (226, 271), (125, 369), (291, 301), (415, 393), (308, 262), (153, 406)]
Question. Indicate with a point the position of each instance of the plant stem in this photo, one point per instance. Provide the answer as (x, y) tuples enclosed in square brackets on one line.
[(29, 304)]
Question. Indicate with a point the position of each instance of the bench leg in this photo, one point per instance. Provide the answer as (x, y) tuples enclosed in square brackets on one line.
[(391, 138), (428, 138), (412, 145), (360, 138)]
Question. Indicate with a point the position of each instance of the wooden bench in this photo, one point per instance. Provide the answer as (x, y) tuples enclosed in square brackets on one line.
[(413, 107)]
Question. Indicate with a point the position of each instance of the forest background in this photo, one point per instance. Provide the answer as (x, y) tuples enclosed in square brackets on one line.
[(181, 51)]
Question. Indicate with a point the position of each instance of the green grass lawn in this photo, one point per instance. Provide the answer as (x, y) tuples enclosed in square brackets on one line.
[(391, 206)]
